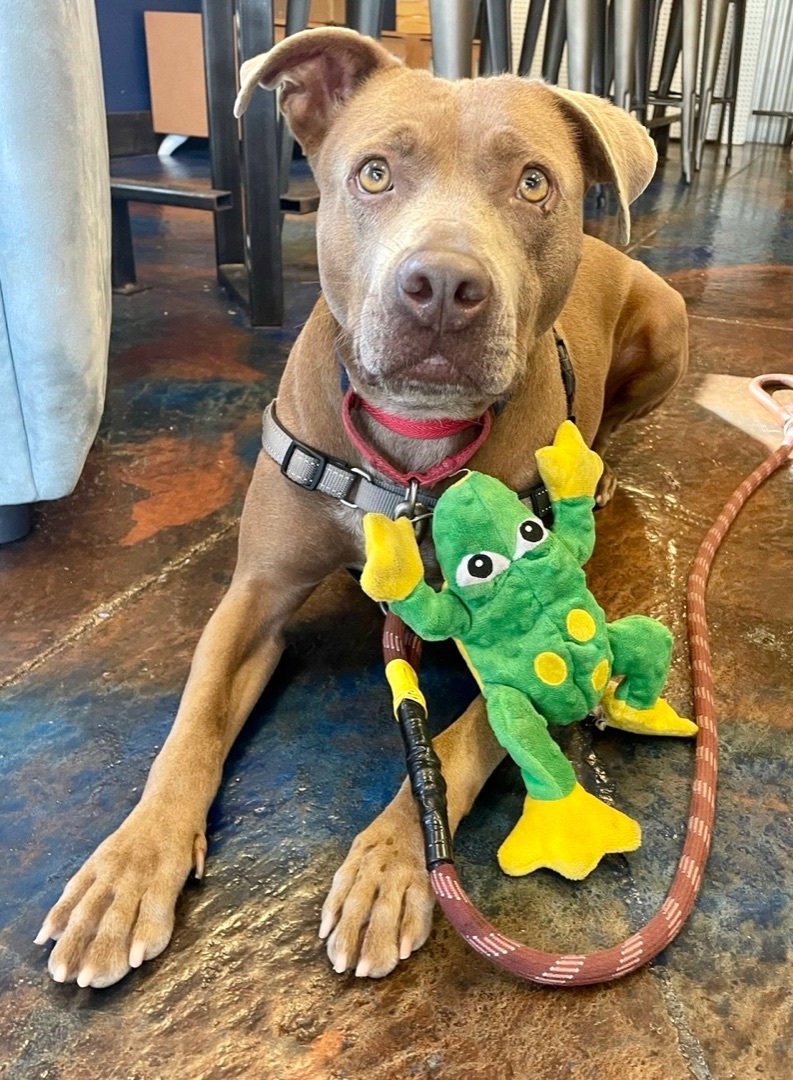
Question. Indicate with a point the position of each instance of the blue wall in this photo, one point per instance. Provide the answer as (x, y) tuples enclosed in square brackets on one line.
[(123, 46)]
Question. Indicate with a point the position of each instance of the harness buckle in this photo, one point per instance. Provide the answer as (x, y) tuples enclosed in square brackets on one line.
[(317, 459)]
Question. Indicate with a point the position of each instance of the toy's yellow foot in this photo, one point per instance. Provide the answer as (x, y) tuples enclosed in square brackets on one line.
[(569, 835), (661, 719), (393, 564)]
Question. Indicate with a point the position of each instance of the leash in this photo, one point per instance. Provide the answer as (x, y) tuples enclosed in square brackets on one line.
[(402, 652)]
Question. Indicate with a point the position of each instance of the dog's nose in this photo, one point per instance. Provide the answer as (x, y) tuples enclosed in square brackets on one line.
[(443, 289)]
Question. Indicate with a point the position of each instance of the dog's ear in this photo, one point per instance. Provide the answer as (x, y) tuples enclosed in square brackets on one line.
[(614, 147), (317, 71)]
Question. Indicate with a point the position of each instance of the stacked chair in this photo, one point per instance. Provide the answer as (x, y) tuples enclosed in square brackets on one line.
[(610, 49)]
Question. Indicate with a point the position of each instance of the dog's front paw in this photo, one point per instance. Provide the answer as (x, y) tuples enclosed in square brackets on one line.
[(118, 909), (379, 908)]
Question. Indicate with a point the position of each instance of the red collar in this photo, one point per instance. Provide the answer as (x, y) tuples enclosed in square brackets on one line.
[(414, 429)]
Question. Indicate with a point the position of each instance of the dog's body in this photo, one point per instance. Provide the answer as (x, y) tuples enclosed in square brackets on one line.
[(440, 292)]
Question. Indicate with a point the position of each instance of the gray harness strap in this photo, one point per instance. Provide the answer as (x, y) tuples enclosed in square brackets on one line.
[(314, 471)]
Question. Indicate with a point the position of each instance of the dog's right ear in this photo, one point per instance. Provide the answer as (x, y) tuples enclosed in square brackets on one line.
[(317, 70)]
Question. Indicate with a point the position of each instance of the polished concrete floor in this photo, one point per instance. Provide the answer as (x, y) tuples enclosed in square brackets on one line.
[(101, 607)]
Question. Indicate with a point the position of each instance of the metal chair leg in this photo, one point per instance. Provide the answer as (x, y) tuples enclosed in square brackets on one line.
[(16, 521), (260, 175), (646, 36), (733, 72), (608, 67), (692, 16), (296, 20), (365, 16), (581, 17), (555, 33), (671, 54), (530, 36), (715, 21), (739, 18), (452, 35), (220, 64), (626, 36), (498, 30), (599, 64), (122, 255)]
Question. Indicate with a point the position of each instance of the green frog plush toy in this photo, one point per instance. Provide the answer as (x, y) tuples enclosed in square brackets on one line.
[(515, 600)]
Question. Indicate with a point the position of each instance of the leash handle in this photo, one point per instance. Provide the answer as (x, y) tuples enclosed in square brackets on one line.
[(423, 764), (426, 783), (605, 965)]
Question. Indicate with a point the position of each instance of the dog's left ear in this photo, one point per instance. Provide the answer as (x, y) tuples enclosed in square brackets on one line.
[(317, 70), (614, 148)]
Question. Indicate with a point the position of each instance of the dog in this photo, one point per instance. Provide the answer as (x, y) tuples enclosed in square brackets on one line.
[(453, 262)]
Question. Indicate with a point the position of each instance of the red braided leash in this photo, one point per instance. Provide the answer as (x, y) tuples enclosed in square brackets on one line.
[(565, 969)]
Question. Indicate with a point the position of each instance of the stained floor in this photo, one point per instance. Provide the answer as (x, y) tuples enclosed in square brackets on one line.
[(101, 607)]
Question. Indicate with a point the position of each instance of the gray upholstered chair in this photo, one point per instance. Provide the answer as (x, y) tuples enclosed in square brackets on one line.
[(54, 252)]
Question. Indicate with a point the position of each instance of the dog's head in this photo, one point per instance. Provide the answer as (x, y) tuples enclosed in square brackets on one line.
[(450, 221)]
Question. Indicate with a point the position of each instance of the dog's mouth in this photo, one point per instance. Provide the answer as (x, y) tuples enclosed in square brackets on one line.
[(435, 368)]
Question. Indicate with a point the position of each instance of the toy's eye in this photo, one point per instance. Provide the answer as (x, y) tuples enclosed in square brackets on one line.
[(484, 566), (531, 532)]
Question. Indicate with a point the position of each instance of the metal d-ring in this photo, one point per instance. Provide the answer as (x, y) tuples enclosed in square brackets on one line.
[(413, 510), (407, 508)]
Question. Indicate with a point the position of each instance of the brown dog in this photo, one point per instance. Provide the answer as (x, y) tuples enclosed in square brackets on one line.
[(450, 243)]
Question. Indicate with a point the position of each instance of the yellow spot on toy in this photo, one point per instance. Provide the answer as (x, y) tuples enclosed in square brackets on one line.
[(550, 668), (600, 676), (581, 626)]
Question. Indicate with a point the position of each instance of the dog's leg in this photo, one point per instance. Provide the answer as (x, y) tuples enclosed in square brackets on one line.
[(379, 908), (118, 910), (650, 359)]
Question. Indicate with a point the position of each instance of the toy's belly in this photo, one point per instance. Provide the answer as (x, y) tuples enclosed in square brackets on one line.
[(563, 669)]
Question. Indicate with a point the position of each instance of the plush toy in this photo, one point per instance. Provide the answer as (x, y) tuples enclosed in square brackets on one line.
[(515, 600)]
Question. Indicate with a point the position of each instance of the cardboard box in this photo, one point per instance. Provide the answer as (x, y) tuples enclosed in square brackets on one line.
[(320, 11), (176, 64), (175, 51), (413, 17)]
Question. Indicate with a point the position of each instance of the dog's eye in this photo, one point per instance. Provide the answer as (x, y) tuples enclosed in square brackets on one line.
[(531, 533), (484, 566), (374, 177), (534, 186)]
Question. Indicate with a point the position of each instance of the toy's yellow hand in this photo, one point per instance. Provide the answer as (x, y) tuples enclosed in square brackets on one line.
[(569, 468), (393, 565)]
